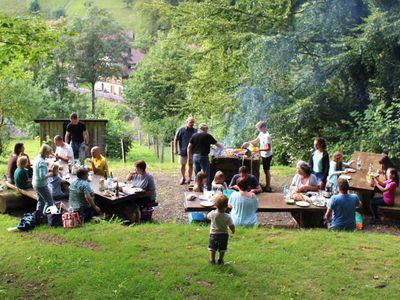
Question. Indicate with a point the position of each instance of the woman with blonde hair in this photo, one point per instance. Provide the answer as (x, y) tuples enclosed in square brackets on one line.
[(337, 168), (39, 180)]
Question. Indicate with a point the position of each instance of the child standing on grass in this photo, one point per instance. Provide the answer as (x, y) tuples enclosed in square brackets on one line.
[(220, 222)]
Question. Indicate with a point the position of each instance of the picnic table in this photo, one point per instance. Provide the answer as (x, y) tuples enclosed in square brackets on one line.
[(306, 217), (123, 205), (360, 181)]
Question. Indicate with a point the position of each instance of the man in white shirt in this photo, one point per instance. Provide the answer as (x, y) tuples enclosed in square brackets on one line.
[(64, 151), (264, 138)]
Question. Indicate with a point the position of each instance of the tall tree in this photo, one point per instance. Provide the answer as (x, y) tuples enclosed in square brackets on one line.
[(98, 47)]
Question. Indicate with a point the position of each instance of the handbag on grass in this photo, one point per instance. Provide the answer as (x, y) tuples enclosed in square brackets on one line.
[(71, 219)]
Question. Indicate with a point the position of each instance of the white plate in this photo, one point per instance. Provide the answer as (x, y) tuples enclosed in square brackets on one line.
[(347, 177), (205, 197), (350, 170), (207, 203), (302, 203)]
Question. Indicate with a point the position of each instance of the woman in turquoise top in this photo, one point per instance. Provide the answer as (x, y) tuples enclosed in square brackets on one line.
[(39, 179), (244, 205), (319, 162)]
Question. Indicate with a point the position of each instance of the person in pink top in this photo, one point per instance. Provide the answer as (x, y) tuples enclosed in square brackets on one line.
[(388, 187)]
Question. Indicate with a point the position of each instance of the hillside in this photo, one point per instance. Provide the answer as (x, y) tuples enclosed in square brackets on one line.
[(117, 8)]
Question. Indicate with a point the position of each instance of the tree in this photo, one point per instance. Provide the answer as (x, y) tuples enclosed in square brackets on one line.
[(34, 6), (128, 3), (97, 47)]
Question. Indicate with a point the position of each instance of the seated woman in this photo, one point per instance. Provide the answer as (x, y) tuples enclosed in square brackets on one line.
[(19, 150), (342, 208), (201, 183), (336, 168), (219, 183), (55, 184), (81, 196), (140, 179), (21, 176), (98, 161), (388, 187), (244, 205), (303, 181), (319, 162)]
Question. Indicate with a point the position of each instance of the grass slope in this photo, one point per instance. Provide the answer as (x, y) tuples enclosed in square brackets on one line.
[(122, 14), (169, 261)]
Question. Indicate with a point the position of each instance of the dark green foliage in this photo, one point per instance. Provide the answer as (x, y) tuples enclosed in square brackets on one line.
[(34, 6), (309, 68)]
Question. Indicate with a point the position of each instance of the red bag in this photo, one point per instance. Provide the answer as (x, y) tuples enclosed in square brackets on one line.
[(71, 219)]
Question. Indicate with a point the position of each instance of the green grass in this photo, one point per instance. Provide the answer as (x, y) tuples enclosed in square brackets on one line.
[(169, 261), (123, 15)]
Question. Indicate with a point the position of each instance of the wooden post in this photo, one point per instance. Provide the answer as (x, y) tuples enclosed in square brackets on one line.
[(148, 141), (157, 148), (153, 141), (140, 137), (162, 151), (172, 152), (123, 151)]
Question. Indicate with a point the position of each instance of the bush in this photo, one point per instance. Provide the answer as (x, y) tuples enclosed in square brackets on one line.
[(34, 6)]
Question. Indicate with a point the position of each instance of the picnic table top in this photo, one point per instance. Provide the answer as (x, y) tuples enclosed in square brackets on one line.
[(359, 179), (267, 202), (127, 193)]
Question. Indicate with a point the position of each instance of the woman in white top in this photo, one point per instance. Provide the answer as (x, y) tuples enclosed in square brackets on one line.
[(303, 181), (336, 168)]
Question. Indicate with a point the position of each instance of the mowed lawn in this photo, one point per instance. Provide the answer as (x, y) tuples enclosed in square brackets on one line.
[(169, 261)]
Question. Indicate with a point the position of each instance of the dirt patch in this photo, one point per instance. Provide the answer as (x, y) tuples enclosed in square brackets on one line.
[(28, 290), (58, 240)]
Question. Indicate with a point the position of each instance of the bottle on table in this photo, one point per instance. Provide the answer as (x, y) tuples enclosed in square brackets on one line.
[(286, 194), (358, 163), (117, 190), (110, 182)]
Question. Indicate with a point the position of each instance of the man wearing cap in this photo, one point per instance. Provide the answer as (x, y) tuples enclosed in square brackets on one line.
[(181, 142), (199, 147), (264, 138)]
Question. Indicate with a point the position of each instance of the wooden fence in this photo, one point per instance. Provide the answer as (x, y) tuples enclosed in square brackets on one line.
[(162, 150)]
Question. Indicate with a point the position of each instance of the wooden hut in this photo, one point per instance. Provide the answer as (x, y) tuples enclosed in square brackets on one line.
[(51, 127)]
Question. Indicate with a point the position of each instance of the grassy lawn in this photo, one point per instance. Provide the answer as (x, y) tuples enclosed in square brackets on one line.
[(169, 261)]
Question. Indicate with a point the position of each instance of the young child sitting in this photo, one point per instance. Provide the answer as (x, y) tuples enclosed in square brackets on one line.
[(21, 176), (220, 222), (54, 182), (201, 182), (98, 161), (219, 183)]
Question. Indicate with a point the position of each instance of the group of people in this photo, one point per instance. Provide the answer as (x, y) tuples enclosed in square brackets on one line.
[(43, 174)]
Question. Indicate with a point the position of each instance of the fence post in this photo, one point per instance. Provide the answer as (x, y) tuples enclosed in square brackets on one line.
[(162, 150), (172, 152), (148, 141), (140, 137), (123, 151), (157, 148)]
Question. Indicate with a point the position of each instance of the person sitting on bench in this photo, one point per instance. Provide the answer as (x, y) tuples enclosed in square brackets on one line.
[(303, 181), (81, 196), (342, 208), (98, 161), (19, 150), (251, 180), (21, 176), (55, 183), (139, 178)]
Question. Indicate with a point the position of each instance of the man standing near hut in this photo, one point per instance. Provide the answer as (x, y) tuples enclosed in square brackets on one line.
[(77, 136), (199, 147), (181, 142), (264, 138)]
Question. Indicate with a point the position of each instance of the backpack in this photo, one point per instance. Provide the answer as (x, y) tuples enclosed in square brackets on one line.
[(27, 222)]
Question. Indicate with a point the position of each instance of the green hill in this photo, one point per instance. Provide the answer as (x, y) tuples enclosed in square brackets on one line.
[(117, 8)]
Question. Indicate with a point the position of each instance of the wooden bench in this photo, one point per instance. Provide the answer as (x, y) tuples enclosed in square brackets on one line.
[(392, 211), (17, 199)]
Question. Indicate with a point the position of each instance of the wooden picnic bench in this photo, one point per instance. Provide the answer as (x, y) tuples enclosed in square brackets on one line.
[(392, 211), (306, 217)]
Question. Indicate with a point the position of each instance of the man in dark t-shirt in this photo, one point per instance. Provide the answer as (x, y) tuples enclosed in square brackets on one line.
[(252, 181), (77, 136), (181, 142), (199, 147)]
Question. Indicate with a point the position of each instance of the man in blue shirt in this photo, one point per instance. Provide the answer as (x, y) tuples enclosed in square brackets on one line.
[(181, 142), (342, 208)]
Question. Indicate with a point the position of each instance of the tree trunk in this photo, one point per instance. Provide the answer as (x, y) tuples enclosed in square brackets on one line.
[(93, 99)]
